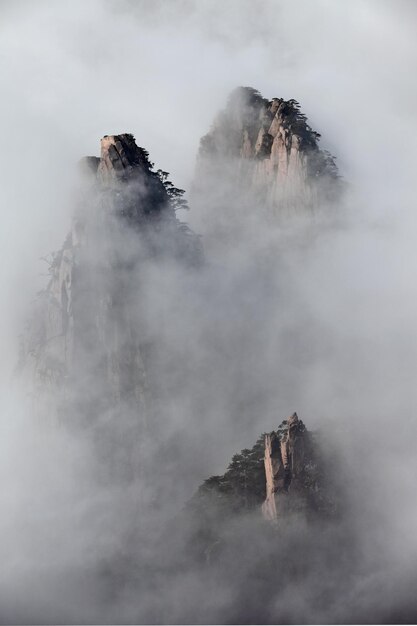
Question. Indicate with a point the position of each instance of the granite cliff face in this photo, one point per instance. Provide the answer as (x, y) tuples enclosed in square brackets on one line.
[(283, 474), (286, 466), (262, 157), (86, 350), (151, 382), (89, 352)]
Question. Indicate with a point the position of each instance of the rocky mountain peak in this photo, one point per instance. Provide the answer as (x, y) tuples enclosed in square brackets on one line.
[(282, 474), (264, 153), (121, 159), (124, 176), (86, 338), (286, 456)]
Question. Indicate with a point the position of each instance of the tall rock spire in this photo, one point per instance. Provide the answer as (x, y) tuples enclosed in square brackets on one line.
[(86, 349), (285, 460), (262, 158)]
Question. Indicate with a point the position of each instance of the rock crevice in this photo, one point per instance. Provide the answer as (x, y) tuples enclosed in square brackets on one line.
[(285, 459), (264, 154)]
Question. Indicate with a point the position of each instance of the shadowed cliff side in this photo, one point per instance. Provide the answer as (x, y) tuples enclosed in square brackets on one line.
[(86, 350), (292, 472), (285, 477)]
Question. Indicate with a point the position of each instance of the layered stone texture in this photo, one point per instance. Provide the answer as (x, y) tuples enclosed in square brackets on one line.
[(286, 477), (286, 457), (265, 158)]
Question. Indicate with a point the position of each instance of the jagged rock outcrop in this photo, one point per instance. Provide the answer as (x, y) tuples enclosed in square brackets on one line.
[(262, 157), (286, 458), (285, 474), (86, 346), (282, 473)]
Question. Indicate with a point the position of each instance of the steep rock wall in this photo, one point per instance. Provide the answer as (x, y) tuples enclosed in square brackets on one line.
[(86, 349), (262, 158), (286, 457)]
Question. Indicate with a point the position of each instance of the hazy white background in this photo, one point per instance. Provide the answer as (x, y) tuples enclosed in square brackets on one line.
[(72, 72)]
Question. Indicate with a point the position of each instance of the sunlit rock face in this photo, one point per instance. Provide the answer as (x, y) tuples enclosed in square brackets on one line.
[(285, 473), (261, 160), (86, 343), (287, 460)]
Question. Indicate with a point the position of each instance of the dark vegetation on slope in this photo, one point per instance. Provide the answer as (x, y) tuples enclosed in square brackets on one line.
[(247, 110), (240, 492)]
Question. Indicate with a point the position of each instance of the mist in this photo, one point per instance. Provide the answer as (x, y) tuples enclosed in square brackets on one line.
[(317, 318)]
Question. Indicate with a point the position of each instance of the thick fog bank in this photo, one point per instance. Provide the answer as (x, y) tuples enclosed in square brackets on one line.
[(316, 317)]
